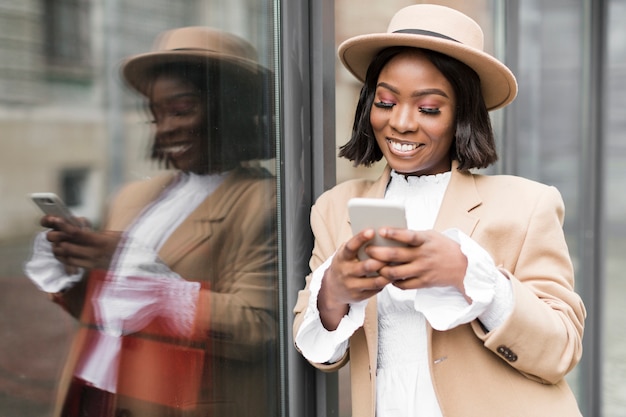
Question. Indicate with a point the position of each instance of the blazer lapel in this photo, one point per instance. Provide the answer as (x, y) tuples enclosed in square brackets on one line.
[(460, 199), (378, 188), (199, 225), (370, 325)]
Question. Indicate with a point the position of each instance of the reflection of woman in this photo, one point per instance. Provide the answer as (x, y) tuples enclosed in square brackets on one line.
[(181, 320), (476, 316)]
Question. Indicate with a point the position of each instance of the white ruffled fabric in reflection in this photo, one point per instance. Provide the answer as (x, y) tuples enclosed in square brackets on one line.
[(139, 286)]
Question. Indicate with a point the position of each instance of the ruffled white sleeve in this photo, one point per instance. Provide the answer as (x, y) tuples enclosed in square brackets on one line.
[(315, 342), (141, 287), (45, 271), (490, 291)]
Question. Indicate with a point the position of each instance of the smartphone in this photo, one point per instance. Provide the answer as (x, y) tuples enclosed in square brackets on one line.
[(50, 203), (374, 213)]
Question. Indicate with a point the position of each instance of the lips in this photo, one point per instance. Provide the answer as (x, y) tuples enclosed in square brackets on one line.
[(175, 149), (402, 147)]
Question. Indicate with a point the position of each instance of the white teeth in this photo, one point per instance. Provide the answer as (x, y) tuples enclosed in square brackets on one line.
[(176, 149), (403, 147)]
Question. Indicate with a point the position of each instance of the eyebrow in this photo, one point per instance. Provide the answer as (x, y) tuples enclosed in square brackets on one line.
[(418, 93), (174, 97)]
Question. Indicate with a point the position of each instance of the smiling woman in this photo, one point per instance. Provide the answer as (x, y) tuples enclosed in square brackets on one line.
[(413, 115), (460, 300), (176, 294)]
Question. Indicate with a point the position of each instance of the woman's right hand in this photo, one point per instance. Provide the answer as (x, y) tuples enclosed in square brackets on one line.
[(348, 280), (80, 247)]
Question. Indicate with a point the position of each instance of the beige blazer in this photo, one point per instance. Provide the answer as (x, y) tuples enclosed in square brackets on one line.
[(516, 370), (228, 244)]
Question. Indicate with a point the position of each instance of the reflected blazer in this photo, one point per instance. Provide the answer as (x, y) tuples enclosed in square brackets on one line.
[(517, 369), (228, 244)]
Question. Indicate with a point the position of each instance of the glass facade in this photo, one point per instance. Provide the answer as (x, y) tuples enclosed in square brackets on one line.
[(73, 126), (156, 123), (613, 168)]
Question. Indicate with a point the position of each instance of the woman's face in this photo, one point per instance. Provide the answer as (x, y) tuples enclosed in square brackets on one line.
[(181, 123), (413, 115)]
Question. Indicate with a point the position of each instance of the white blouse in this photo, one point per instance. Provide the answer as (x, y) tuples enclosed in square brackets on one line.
[(139, 286), (404, 386)]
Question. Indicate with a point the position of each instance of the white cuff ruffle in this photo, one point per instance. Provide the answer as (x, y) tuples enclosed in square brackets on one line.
[(315, 342), (45, 271), (446, 308)]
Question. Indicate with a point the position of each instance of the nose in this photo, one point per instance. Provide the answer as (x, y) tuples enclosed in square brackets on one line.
[(165, 124), (404, 119)]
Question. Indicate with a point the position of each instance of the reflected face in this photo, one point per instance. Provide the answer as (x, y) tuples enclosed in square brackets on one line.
[(413, 115), (180, 118)]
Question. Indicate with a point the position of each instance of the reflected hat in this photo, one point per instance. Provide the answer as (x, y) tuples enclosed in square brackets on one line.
[(440, 29), (195, 44)]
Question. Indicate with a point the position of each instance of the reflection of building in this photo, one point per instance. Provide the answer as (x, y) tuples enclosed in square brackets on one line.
[(64, 114)]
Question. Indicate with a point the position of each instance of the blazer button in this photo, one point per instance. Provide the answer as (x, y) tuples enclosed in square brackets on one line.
[(507, 353)]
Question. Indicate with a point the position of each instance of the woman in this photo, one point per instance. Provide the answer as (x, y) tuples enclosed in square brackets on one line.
[(477, 315), (176, 297)]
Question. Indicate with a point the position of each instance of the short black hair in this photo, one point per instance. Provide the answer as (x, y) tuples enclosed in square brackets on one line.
[(474, 142), (239, 109)]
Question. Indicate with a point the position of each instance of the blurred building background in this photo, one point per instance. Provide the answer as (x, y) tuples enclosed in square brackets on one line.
[(69, 125)]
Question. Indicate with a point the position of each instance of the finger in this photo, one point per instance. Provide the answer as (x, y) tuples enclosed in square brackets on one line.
[(399, 272), (406, 236), (83, 222), (409, 284), (370, 267), (72, 252), (391, 255), (352, 246), (60, 224), (375, 283), (367, 287), (77, 260), (71, 270)]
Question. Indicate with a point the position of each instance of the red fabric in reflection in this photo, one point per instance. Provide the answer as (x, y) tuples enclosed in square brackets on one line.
[(160, 373), (155, 364)]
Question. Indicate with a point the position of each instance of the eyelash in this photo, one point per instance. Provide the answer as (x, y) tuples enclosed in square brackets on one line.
[(176, 113), (426, 110)]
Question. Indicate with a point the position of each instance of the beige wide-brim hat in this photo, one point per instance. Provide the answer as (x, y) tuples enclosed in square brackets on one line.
[(194, 44), (440, 29)]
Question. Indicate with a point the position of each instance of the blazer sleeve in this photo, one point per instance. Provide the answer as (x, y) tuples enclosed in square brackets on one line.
[(542, 338), (238, 311), (326, 229)]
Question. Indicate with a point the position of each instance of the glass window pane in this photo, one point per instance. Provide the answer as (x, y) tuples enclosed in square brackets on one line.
[(154, 121), (614, 341), (547, 131)]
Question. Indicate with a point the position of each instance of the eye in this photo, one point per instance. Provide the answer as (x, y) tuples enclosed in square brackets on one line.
[(182, 109), (429, 110), (384, 104)]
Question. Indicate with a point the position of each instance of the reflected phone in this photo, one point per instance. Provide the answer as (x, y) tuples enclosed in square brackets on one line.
[(374, 213), (51, 204)]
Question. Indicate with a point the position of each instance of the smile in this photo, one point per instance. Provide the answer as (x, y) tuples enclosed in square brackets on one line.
[(402, 147), (175, 149)]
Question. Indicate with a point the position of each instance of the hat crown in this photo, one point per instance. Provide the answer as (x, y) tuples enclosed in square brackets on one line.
[(438, 20), (205, 39)]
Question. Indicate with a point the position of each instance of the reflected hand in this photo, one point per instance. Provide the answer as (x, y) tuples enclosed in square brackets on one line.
[(80, 247)]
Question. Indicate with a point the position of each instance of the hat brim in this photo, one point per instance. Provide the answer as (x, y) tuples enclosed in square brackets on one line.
[(136, 70), (498, 83)]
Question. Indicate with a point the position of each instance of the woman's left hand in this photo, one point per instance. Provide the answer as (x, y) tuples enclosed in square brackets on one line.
[(430, 259)]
